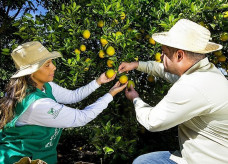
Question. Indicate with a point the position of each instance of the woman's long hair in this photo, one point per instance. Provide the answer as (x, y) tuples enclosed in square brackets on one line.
[(15, 91)]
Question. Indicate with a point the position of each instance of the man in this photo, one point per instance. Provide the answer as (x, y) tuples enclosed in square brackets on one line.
[(197, 101)]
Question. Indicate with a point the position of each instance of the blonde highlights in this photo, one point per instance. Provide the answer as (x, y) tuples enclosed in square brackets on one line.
[(15, 91)]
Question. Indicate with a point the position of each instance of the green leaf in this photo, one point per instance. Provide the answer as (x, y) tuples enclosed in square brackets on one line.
[(29, 15), (63, 6), (118, 139), (16, 24), (57, 18), (167, 6), (109, 6), (69, 61), (77, 57), (108, 150), (6, 50), (22, 28), (74, 5)]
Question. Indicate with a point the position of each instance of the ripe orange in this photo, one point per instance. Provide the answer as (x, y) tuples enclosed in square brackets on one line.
[(118, 33), (218, 53), (152, 41), (103, 41), (87, 60), (82, 47), (122, 16), (110, 63), (222, 58), (226, 14), (123, 79), (110, 73), (101, 54), (130, 82), (158, 57), (150, 78), (224, 37), (86, 34), (100, 23), (110, 51), (77, 51), (147, 36)]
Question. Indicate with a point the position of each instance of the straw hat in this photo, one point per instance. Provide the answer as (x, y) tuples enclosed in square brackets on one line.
[(188, 35), (30, 56)]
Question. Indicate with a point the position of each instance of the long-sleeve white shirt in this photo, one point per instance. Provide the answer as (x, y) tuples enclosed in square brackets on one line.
[(47, 112), (198, 103)]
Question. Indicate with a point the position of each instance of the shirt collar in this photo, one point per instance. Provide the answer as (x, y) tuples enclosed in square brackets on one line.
[(198, 65)]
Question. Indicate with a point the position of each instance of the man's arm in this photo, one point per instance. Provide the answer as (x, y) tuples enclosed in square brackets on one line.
[(180, 104), (156, 69)]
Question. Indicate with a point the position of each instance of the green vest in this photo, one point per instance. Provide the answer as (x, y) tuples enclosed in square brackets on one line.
[(36, 142)]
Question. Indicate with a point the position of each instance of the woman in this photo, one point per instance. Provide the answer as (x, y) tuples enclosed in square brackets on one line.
[(32, 111)]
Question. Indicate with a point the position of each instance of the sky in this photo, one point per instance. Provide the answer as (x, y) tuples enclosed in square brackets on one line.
[(40, 10)]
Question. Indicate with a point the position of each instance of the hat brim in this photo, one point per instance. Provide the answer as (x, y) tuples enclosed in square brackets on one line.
[(163, 38), (34, 67)]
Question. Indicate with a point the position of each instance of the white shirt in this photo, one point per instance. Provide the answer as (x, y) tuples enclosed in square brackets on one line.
[(47, 112), (198, 103)]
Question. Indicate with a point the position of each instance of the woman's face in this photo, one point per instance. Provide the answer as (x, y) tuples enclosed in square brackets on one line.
[(44, 74)]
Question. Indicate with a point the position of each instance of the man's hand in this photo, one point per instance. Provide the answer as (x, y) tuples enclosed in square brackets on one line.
[(103, 79), (131, 93), (125, 67), (117, 88)]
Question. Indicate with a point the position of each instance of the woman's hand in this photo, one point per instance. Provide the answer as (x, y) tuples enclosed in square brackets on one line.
[(103, 79), (117, 88)]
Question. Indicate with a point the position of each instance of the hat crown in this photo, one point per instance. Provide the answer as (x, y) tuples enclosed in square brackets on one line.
[(190, 34), (29, 53)]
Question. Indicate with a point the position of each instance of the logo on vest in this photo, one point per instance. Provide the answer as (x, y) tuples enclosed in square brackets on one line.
[(54, 112)]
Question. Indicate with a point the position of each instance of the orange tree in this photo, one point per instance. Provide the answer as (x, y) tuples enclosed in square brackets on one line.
[(94, 36)]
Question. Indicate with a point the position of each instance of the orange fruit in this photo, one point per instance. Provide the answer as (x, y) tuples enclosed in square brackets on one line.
[(150, 78), (103, 41), (101, 54), (100, 23), (77, 51), (152, 41), (147, 36), (123, 79), (130, 82), (158, 56), (222, 58), (110, 73), (86, 34), (224, 37), (82, 47), (86, 69), (87, 60), (218, 53), (110, 51), (110, 63), (118, 33), (122, 16)]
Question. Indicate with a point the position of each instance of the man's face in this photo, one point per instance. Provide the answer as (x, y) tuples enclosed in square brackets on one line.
[(168, 60)]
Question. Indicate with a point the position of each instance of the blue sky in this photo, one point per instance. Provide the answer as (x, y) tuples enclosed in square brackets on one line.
[(40, 10)]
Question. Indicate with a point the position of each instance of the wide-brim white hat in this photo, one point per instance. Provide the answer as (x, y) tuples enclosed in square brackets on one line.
[(188, 35), (30, 56)]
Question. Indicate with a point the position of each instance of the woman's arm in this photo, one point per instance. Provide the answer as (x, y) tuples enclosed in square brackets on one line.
[(66, 96), (47, 112)]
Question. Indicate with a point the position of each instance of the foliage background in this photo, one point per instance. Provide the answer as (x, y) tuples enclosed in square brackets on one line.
[(115, 135)]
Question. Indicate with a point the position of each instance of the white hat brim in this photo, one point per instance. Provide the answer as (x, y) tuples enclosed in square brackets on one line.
[(163, 38), (27, 70)]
